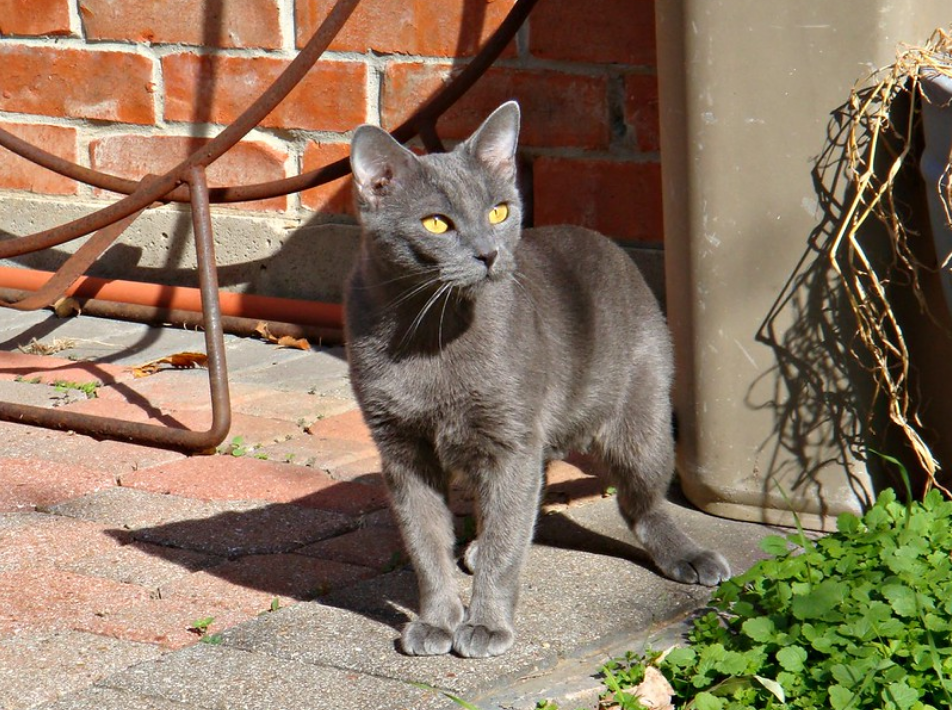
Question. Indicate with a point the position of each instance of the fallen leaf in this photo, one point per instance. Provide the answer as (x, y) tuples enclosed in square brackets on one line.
[(67, 307), (285, 341), (655, 691), (179, 361)]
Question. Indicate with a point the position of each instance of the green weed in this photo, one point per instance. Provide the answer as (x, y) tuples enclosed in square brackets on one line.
[(87, 388)]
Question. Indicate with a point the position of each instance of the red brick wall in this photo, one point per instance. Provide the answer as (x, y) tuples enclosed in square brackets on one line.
[(126, 85)]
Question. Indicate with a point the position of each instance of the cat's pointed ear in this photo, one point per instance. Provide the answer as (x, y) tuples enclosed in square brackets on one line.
[(494, 143), (378, 163)]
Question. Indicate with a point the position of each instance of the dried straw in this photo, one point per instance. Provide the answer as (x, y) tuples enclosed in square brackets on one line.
[(871, 143)]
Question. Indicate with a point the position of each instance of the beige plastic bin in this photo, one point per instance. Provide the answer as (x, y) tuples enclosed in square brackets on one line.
[(770, 410)]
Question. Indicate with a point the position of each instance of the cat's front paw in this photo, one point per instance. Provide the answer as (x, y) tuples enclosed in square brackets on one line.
[(477, 641), (422, 639), (704, 567)]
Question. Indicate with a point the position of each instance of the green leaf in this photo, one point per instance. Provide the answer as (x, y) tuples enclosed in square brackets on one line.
[(761, 629), (819, 602), (847, 523), (901, 694), (901, 598), (792, 658), (775, 545), (707, 701), (774, 687), (681, 656), (840, 697)]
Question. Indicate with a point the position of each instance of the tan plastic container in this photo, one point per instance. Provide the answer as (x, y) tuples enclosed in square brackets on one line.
[(769, 409)]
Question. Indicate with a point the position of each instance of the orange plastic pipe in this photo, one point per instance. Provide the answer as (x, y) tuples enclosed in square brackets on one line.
[(242, 305)]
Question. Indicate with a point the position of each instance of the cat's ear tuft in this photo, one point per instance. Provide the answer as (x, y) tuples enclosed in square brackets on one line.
[(494, 143), (378, 162)]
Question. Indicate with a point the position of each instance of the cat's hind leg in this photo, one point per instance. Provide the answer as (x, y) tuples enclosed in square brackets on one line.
[(641, 465), (418, 499)]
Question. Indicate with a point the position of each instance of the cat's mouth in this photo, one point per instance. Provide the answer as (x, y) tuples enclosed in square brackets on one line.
[(477, 276)]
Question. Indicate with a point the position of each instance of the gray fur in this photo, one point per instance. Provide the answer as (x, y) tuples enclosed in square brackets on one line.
[(486, 352)]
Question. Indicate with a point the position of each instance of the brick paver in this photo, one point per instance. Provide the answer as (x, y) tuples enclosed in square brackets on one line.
[(111, 552)]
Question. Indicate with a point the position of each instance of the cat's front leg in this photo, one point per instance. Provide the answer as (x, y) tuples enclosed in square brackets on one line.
[(418, 497), (508, 499)]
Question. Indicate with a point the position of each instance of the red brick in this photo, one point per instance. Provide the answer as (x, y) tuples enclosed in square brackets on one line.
[(16, 365), (212, 23), (27, 483), (133, 157), (609, 31), (166, 622), (641, 111), (246, 478), (438, 28), (557, 109), (112, 457), (140, 563), (349, 426), (619, 199), (332, 97), (333, 197), (231, 478), (97, 84), (45, 540), (568, 485), (34, 17), (20, 174), (36, 597), (328, 455)]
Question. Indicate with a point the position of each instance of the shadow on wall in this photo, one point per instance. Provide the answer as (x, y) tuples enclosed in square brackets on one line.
[(820, 390)]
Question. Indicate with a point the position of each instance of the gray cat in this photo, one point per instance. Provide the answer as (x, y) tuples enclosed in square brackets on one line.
[(481, 350)]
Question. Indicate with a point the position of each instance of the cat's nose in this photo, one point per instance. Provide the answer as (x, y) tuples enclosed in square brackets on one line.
[(488, 258)]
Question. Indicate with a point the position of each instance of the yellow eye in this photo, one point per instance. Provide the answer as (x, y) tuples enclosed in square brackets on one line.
[(436, 224), (499, 213)]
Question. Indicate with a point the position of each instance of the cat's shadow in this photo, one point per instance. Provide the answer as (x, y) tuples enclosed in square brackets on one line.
[(251, 548)]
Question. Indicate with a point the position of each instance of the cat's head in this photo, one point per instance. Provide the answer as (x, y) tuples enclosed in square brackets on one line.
[(448, 218)]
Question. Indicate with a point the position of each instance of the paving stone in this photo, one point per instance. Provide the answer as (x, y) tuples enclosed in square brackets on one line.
[(38, 597), (34, 394), (27, 483), (40, 667), (225, 528), (348, 426), (299, 407), (19, 327), (113, 457), (283, 369), (365, 470), (377, 548), (326, 454), (108, 699), (286, 576), (312, 633), (566, 485), (149, 566), (33, 540), (51, 369), (170, 623), (130, 345), (249, 478), (233, 679), (250, 355)]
